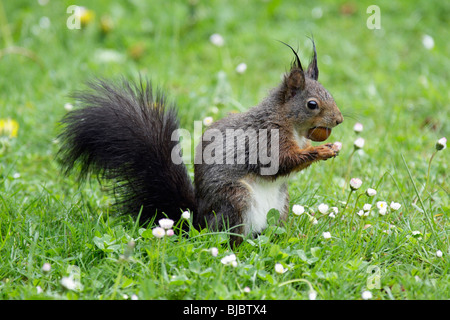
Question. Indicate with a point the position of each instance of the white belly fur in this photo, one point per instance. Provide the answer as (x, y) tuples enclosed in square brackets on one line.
[(265, 195)]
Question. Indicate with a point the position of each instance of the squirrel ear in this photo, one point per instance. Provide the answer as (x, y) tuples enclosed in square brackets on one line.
[(294, 82), (313, 70)]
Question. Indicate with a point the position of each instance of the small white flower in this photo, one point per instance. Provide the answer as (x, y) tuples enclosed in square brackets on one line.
[(134, 297), (314, 220), (247, 290), (39, 290), (382, 206), (68, 106), (326, 235), (16, 175), (214, 251), (323, 208), (395, 205), (338, 145), (332, 215), (208, 121), (312, 295), (241, 67), (186, 215), (417, 234), (68, 283), (366, 295), (169, 233), (360, 213), (46, 267), (358, 127), (158, 232), (367, 207), (298, 209), (441, 144), (428, 42), (371, 192), (166, 223), (335, 210), (355, 183), (229, 260), (217, 40), (439, 254), (279, 268), (359, 143)]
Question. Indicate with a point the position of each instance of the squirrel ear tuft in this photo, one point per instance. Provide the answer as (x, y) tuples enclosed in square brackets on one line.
[(313, 70), (294, 82)]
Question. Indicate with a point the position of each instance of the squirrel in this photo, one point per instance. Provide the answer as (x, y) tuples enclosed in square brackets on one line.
[(124, 133)]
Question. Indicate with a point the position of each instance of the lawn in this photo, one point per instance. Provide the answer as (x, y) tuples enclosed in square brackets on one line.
[(63, 240)]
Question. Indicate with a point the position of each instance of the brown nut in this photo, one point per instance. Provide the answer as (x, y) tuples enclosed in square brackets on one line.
[(319, 133)]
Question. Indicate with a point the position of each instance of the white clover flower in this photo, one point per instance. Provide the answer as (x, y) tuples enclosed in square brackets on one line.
[(335, 210), (217, 40), (395, 205), (382, 207), (279, 268), (69, 283), (166, 223), (326, 235), (441, 144), (214, 251), (241, 67), (314, 220), (359, 143), (360, 213), (355, 183), (358, 127), (68, 106), (169, 233), (208, 121), (186, 215), (312, 295), (158, 232), (298, 209), (134, 297), (367, 207), (229, 260), (247, 290), (366, 295), (417, 234), (371, 192), (338, 145), (428, 42), (46, 267), (439, 254), (323, 208), (332, 215)]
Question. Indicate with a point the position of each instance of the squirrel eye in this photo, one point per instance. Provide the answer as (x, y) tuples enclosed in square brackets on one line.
[(312, 104)]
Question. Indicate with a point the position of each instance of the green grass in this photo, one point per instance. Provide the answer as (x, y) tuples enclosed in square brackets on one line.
[(386, 79)]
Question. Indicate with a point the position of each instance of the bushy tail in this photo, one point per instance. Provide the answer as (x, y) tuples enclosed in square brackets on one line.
[(123, 133)]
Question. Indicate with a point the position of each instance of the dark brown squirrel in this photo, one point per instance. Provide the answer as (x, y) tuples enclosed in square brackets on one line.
[(124, 133)]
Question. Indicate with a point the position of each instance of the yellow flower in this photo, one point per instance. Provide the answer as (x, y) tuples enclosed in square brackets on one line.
[(9, 127), (85, 15)]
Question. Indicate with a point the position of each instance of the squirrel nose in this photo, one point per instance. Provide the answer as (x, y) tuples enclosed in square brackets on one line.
[(339, 119)]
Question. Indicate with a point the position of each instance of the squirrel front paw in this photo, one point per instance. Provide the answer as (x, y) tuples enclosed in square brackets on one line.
[(326, 151)]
